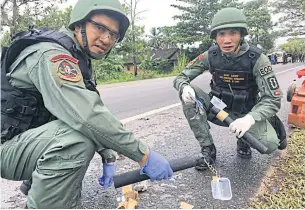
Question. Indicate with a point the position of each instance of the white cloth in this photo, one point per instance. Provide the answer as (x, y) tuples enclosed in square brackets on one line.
[(187, 94), (241, 125)]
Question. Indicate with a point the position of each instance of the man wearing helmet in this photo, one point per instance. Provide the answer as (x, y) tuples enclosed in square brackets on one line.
[(63, 121), (243, 78)]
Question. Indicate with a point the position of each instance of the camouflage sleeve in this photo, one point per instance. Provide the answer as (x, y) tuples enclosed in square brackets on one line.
[(270, 93), (58, 78), (191, 71)]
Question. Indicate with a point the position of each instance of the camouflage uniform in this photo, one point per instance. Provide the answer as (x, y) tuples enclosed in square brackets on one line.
[(57, 154), (268, 101)]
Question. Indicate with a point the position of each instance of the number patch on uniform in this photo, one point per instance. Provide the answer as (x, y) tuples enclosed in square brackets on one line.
[(272, 82), (266, 70)]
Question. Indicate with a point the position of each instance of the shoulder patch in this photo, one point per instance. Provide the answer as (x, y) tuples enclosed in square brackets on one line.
[(63, 57), (65, 67), (201, 57), (277, 92), (66, 71), (272, 83), (266, 70)]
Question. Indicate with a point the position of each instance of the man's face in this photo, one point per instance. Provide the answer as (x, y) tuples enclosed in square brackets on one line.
[(228, 40), (102, 33)]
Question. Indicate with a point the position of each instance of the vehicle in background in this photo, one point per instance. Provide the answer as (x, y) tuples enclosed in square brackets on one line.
[(279, 57)]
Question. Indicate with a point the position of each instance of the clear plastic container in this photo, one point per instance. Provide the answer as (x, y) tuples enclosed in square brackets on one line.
[(221, 188)]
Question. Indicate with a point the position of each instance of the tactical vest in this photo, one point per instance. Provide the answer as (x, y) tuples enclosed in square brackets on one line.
[(22, 109), (233, 80)]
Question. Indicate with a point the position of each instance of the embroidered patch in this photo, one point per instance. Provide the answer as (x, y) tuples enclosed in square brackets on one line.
[(266, 70), (67, 72), (277, 92), (272, 83), (201, 57), (63, 57)]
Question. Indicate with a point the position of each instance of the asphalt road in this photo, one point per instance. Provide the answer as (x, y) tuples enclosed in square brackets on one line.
[(168, 133), (133, 98)]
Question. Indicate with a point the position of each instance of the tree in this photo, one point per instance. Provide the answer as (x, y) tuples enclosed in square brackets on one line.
[(294, 46), (53, 18), (59, 18), (107, 68), (32, 8), (259, 24), (132, 45), (195, 20), (162, 37), (292, 20), (134, 15), (154, 38), (168, 37)]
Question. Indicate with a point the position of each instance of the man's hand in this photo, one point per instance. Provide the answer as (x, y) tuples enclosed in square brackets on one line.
[(156, 167), (108, 173), (187, 92), (241, 125)]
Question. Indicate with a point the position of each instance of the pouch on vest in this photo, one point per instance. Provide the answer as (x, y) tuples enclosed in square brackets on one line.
[(239, 102), (215, 93), (227, 98)]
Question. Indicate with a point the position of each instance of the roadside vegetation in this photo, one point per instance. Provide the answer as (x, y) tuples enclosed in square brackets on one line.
[(190, 35), (284, 187)]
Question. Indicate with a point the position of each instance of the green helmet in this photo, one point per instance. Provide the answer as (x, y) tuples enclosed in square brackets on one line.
[(83, 8), (229, 18)]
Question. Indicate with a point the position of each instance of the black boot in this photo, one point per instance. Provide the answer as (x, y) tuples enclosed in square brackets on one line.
[(243, 149), (25, 186), (279, 128), (209, 154)]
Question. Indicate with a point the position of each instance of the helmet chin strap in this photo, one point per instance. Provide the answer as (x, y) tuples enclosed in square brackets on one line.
[(93, 55)]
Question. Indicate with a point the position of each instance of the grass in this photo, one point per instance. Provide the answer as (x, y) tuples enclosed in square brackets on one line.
[(285, 188), (126, 77), (116, 77)]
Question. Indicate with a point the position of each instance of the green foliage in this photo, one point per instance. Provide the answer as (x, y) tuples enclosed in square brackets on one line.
[(131, 42), (292, 20), (180, 65), (155, 38), (147, 62), (162, 38), (109, 68), (53, 18), (195, 20), (17, 15), (296, 45), (59, 18), (6, 39), (285, 187), (259, 24), (158, 64)]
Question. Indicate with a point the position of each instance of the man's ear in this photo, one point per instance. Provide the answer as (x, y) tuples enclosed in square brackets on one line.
[(77, 28)]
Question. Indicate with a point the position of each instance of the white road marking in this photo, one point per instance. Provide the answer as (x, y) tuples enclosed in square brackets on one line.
[(155, 111), (289, 69)]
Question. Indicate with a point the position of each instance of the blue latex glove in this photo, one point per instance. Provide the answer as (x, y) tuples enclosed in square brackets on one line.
[(156, 167), (108, 173)]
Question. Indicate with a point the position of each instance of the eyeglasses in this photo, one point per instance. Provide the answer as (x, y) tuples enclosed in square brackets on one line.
[(105, 31)]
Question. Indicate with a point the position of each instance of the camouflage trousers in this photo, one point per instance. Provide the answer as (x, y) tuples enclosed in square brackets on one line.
[(262, 130), (56, 157)]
